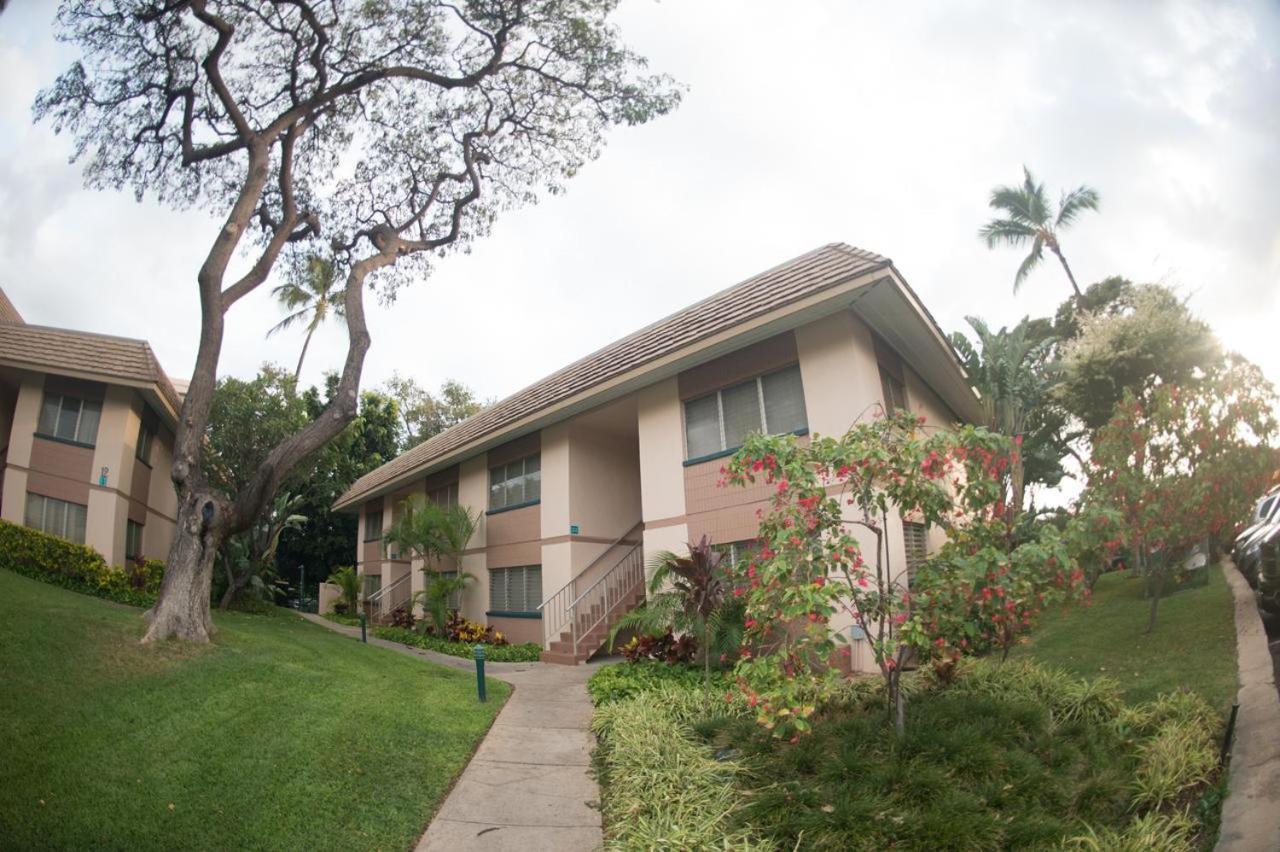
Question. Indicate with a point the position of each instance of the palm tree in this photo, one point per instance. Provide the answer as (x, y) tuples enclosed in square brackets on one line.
[(1029, 220), (311, 294), (1012, 372), (350, 584), (431, 532)]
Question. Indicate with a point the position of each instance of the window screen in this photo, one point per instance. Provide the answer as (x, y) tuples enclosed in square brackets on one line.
[(69, 418), (56, 517), (132, 540), (721, 421), (445, 496), (145, 437), (515, 589), (373, 526), (913, 537), (515, 483)]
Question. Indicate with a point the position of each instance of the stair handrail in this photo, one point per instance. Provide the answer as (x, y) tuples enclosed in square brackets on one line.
[(557, 609), (610, 601), (375, 599)]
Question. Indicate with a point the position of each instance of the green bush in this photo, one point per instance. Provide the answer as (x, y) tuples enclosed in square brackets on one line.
[(526, 653), (1011, 756), (625, 680), (76, 567), (665, 789)]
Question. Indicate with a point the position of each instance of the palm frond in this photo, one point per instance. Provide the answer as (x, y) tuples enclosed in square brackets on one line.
[(289, 322), (1031, 261), (1007, 232), (1075, 202)]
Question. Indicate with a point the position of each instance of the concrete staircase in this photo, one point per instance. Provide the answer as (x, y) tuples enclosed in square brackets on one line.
[(593, 631), (577, 619)]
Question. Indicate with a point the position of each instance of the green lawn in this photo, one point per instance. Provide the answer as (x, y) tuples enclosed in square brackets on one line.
[(278, 735), (1193, 644)]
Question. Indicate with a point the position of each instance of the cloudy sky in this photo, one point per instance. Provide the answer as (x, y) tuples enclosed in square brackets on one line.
[(881, 125)]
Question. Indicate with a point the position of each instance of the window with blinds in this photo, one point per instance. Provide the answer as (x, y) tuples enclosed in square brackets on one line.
[(373, 526), (68, 418), (516, 483), (916, 546), (132, 540), (455, 597), (446, 495), (56, 517), (516, 590), (721, 421)]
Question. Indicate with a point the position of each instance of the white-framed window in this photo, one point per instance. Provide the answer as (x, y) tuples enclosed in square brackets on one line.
[(916, 546), (516, 483), (373, 525), (69, 418), (132, 540), (772, 403), (739, 551), (517, 590), (56, 517), (146, 436), (445, 495)]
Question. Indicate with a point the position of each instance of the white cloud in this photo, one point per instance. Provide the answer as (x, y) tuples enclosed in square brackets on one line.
[(883, 127)]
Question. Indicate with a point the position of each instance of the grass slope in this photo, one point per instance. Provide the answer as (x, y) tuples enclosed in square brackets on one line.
[(278, 735), (1193, 644)]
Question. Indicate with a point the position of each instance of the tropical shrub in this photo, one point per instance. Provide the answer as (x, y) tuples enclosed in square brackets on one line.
[(619, 682), (665, 789), (1006, 756), (350, 584), (811, 566), (665, 648), (506, 653), (459, 629), (689, 597), (403, 617), (59, 562)]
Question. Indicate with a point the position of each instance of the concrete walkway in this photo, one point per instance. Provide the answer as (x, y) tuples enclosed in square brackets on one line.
[(1251, 812), (529, 785)]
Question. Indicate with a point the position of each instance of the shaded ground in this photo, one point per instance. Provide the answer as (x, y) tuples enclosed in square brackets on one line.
[(1192, 646), (279, 735)]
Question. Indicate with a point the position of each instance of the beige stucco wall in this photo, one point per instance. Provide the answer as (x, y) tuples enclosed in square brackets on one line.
[(839, 373), (660, 421), (329, 595), (473, 492)]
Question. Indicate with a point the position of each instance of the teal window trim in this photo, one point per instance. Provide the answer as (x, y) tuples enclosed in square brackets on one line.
[(502, 613), (722, 453), (526, 504), (42, 436)]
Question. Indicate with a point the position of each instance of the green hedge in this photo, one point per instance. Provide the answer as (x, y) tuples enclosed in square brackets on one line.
[(526, 653), (59, 562)]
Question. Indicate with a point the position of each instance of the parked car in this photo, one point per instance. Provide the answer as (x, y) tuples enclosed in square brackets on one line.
[(1247, 552)]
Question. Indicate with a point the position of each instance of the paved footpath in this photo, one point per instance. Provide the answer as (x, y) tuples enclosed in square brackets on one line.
[(529, 786)]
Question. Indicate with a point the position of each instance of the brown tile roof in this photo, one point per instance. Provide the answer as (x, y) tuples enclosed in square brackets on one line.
[(796, 279), (58, 350), (8, 312)]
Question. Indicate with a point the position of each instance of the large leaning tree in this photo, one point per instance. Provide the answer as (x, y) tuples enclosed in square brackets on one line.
[(376, 133)]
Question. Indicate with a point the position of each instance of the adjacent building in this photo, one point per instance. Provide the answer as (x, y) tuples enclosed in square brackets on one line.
[(86, 438), (582, 477)]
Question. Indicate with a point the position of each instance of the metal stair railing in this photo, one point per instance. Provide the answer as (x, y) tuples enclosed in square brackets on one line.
[(602, 597), (557, 609), (384, 601)]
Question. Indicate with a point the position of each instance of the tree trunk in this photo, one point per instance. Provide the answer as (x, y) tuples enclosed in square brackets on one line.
[(297, 373), (899, 709), (1158, 588), (182, 609), (1074, 286)]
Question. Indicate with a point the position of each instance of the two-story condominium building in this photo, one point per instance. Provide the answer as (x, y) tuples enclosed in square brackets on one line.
[(583, 476), (86, 438)]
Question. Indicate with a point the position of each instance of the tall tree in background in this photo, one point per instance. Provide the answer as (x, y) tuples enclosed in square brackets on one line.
[(442, 114), (1143, 336), (1012, 371), (424, 414), (311, 294), (1029, 219)]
